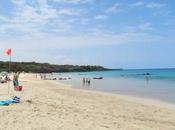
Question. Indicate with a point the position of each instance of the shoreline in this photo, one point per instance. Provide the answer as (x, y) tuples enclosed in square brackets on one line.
[(117, 92), (67, 108), (131, 97)]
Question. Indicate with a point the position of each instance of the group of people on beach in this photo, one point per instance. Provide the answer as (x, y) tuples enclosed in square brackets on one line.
[(43, 76), (86, 81), (6, 78)]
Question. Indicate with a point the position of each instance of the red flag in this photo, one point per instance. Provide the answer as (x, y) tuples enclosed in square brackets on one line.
[(9, 52)]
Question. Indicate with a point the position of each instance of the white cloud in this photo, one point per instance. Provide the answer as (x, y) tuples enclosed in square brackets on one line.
[(101, 17), (18, 2), (137, 4), (32, 20), (113, 9), (84, 21), (99, 39), (146, 26), (154, 5), (68, 11), (74, 1), (36, 14), (140, 28), (150, 5)]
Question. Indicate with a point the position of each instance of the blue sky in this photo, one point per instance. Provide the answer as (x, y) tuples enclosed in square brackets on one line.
[(112, 33)]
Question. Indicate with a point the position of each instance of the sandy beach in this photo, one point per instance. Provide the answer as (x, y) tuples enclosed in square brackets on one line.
[(48, 105)]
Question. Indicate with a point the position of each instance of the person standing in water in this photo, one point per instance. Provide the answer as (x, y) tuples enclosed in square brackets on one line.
[(15, 80), (88, 81), (84, 81)]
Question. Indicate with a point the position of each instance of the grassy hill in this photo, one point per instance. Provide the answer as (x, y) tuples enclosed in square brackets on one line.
[(47, 68)]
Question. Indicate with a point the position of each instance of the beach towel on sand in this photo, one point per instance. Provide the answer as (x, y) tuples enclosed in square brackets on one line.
[(15, 99), (6, 102)]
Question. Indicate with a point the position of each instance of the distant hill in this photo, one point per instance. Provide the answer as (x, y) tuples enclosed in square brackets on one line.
[(47, 68)]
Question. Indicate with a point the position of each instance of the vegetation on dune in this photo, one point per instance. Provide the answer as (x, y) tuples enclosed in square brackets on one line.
[(47, 68)]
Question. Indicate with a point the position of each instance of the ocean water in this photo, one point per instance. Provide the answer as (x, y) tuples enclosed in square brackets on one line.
[(156, 84)]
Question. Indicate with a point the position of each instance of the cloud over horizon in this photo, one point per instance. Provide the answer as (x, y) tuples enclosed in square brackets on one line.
[(63, 24)]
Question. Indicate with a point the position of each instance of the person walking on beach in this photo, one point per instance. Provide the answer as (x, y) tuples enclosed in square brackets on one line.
[(15, 80), (44, 75), (84, 81), (41, 75)]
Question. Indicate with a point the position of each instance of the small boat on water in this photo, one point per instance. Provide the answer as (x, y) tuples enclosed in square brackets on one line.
[(97, 77), (64, 78)]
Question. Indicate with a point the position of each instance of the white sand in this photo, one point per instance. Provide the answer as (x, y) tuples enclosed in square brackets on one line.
[(58, 107)]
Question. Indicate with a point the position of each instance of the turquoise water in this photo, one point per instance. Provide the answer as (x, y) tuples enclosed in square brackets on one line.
[(159, 74), (157, 84)]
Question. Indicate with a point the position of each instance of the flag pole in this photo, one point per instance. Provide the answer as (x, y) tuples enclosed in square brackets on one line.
[(8, 52), (9, 74)]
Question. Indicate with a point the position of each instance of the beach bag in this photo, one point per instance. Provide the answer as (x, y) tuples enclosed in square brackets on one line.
[(16, 99), (19, 88)]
